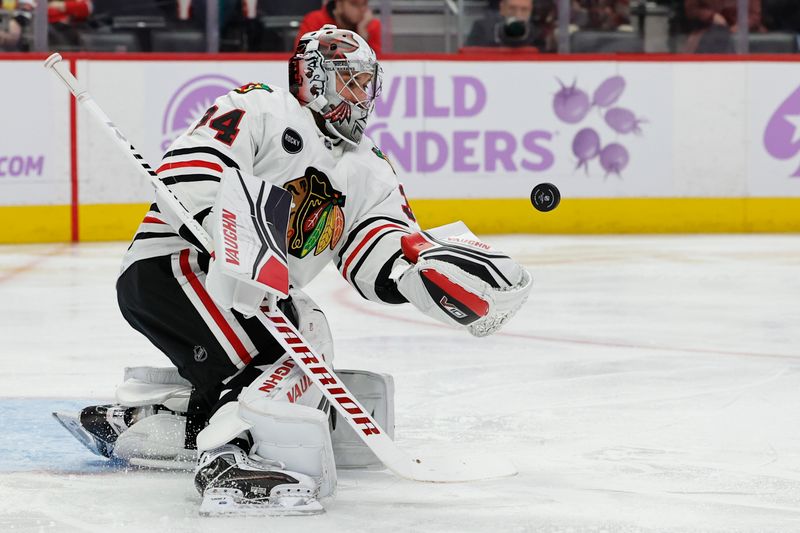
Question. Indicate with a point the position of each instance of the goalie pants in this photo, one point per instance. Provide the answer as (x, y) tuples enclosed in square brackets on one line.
[(216, 350)]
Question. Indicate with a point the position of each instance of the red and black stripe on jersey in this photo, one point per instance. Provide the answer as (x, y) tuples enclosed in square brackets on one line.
[(357, 250), (223, 158), (153, 226), (194, 166)]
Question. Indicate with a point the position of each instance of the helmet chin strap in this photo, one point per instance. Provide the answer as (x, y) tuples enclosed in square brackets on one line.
[(336, 133), (326, 128), (317, 104)]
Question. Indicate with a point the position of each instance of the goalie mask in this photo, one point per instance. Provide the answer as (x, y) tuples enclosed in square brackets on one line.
[(335, 74)]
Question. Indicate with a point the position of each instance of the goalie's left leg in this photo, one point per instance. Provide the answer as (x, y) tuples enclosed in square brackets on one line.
[(290, 464), (233, 482)]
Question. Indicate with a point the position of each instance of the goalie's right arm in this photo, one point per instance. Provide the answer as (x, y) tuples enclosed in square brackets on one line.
[(209, 170)]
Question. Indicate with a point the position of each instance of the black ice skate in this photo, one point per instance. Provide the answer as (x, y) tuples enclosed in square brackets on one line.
[(98, 426), (233, 483)]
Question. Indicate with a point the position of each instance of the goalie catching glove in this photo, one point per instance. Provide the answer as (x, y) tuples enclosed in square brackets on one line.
[(459, 280)]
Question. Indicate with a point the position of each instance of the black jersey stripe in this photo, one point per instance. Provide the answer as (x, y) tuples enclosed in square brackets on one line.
[(153, 235), (190, 237), (203, 150), (201, 215), (355, 231), (365, 255), (145, 235), (188, 178), (385, 287), (154, 208)]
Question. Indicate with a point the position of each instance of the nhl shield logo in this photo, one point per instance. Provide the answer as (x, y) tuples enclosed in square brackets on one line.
[(200, 354)]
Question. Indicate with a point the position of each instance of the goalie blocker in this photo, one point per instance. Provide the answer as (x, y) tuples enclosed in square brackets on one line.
[(459, 280)]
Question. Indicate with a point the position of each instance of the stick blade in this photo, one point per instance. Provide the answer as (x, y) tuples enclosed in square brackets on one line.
[(449, 469)]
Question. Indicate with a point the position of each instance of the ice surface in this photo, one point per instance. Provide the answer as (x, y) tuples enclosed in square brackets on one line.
[(650, 384)]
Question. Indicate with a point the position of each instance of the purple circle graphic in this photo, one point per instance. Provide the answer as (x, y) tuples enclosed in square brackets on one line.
[(192, 99)]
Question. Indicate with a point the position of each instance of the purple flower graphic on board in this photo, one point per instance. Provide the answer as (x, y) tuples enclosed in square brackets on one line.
[(571, 105), (782, 136), (190, 101), (623, 121), (586, 146), (608, 92), (614, 158)]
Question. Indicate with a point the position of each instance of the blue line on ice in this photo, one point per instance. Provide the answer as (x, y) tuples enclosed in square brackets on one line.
[(33, 440)]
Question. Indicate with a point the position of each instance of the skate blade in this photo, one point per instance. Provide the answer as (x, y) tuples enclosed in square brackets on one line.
[(73, 424), (171, 465), (228, 502)]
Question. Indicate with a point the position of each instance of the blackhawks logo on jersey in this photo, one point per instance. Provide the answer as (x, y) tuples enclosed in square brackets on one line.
[(316, 221)]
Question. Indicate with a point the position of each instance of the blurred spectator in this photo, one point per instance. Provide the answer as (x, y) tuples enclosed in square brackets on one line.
[(14, 16), (711, 23), (64, 19), (353, 15), (584, 15), (601, 14), (10, 33), (69, 11), (781, 15), (511, 25)]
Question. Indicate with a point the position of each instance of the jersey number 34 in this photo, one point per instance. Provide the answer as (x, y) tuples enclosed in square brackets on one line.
[(226, 125)]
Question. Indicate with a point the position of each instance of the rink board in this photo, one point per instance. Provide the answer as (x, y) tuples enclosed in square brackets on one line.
[(636, 144)]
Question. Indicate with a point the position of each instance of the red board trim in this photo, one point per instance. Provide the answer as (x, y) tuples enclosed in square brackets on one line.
[(469, 57), (73, 164)]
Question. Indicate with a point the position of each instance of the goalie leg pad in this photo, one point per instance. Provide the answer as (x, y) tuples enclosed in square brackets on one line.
[(313, 324), (156, 441), (294, 435), (147, 385), (147, 426), (282, 381), (279, 409), (235, 483), (376, 393)]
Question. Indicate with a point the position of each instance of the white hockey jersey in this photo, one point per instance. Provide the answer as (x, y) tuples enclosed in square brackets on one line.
[(347, 204)]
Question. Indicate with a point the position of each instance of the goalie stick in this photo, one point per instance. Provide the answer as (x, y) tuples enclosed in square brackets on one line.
[(417, 468)]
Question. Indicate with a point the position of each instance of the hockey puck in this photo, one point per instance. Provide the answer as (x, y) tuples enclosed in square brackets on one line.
[(545, 197)]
